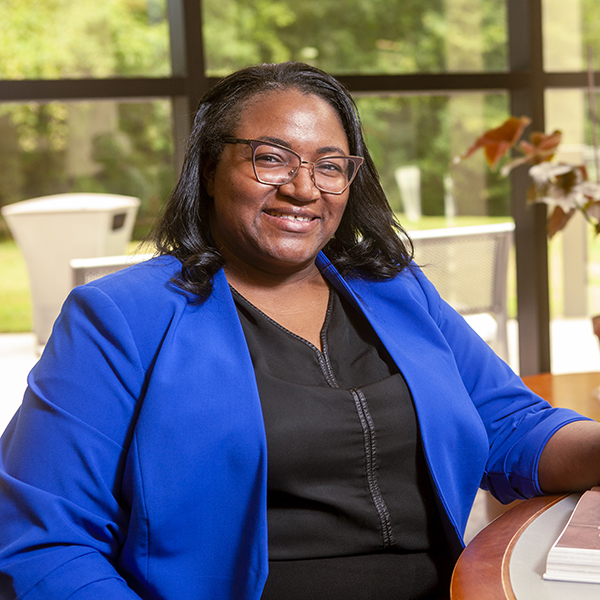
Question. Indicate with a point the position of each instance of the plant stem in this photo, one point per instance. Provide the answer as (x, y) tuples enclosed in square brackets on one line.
[(587, 217)]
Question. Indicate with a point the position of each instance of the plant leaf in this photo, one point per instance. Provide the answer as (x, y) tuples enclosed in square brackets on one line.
[(497, 142), (541, 146), (536, 193), (558, 219), (593, 210)]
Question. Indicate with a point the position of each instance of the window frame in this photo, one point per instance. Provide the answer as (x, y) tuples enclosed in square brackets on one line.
[(525, 82)]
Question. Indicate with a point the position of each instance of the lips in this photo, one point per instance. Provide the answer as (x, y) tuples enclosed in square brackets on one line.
[(296, 218)]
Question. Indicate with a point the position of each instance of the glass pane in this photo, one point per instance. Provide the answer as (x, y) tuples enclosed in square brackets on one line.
[(53, 39), (413, 141), (104, 146), (575, 251), (570, 28), (353, 36), (415, 138)]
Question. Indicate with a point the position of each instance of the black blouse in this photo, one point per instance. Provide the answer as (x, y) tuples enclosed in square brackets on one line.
[(350, 508)]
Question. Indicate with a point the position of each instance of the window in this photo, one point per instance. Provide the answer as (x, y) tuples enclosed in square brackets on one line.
[(427, 75), (425, 133), (95, 146), (571, 30), (380, 36), (60, 39)]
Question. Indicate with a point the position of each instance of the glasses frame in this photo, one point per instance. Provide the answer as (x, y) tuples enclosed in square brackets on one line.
[(254, 144)]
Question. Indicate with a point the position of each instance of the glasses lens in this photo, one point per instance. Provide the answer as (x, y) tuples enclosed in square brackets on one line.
[(334, 174), (274, 165)]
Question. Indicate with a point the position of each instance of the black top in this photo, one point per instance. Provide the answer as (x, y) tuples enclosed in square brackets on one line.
[(350, 508)]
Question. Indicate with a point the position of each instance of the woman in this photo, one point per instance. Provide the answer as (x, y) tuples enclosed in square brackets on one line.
[(282, 314)]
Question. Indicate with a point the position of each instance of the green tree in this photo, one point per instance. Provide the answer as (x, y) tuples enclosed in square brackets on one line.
[(130, 37), (51, 39)]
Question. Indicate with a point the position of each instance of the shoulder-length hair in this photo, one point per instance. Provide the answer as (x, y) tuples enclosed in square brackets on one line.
[(368, 240)]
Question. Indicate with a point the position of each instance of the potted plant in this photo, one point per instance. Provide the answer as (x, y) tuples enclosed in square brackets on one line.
[(565, 187)]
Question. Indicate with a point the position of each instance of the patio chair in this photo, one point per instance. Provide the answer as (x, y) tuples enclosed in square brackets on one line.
[(88, 269), (469, 267)]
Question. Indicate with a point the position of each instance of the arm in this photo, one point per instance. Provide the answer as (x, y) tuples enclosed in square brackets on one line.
[(62, 458), (519, 424), (571, 459)]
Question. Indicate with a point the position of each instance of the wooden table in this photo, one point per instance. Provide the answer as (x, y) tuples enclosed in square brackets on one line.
[(572, 390), (482, 571)]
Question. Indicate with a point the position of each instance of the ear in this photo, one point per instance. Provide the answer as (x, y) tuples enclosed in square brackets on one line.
[(208, 176)]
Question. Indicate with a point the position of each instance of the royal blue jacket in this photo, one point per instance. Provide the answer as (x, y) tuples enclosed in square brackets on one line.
[(136, 466)]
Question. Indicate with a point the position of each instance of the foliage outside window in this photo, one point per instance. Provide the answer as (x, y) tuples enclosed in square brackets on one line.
[(131, 149), (130, 38), (102, 146), (353, 36), (62, 39)]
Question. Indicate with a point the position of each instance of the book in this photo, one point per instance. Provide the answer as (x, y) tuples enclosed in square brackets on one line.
[(575, 556)]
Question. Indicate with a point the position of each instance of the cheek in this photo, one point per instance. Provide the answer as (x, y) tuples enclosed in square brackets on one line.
[(235, 216), (339, 208), (224, 216)]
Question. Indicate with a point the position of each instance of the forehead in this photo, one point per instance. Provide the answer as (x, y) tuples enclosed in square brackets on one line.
[(292, 116)]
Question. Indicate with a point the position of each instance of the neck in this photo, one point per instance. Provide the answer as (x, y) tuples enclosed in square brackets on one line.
[(246, 276), (273, 291), (298, 302)]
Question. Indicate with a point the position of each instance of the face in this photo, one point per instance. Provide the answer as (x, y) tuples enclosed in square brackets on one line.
[(277, 229)]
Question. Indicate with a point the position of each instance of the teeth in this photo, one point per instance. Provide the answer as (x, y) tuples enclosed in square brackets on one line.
[(290, 217)]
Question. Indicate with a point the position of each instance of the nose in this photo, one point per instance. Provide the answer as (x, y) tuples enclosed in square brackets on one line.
[(302, 186)]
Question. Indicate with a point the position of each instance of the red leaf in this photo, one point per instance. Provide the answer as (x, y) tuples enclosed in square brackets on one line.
[(497, 142), (558, 220), (541, 146)]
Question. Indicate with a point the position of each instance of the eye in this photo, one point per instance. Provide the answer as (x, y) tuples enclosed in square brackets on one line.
[(331, 167), (270, 157)]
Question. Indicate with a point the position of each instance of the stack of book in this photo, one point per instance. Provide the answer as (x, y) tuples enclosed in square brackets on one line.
[(575, 556)]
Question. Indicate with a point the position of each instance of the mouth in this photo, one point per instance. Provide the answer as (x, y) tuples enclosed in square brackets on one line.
[(290, 217)]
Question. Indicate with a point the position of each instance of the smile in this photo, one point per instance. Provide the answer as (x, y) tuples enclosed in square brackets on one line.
[(296, 218)]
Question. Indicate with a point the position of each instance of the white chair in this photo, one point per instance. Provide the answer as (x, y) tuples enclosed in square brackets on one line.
[(469, 268), (88, 269)]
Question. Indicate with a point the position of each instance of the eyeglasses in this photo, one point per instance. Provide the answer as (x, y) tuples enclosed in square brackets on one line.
[(276, 165)]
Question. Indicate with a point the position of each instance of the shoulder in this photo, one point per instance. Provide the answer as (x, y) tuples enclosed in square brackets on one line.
[(142, 287), (409, 288), (139, 303), (149, 277)]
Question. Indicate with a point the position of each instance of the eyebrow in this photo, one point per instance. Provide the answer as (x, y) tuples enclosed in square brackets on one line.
[(322, 150)]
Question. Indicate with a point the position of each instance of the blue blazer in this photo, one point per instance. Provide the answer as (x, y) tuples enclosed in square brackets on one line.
[(136, 466)]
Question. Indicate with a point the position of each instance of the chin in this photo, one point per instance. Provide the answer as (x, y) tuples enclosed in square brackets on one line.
[(286, 264)]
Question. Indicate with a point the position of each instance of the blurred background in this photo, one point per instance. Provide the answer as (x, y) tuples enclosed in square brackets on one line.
[(98, 97)]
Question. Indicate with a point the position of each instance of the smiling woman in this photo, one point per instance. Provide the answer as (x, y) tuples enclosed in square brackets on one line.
[(315, 118), (270, 235), (283, 317), (264, 214)]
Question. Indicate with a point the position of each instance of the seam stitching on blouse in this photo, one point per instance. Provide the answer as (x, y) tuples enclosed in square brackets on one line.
[(370, 447), (322, 357), (291, 333)]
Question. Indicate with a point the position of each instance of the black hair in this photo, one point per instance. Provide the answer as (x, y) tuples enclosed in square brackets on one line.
[(368, 240)]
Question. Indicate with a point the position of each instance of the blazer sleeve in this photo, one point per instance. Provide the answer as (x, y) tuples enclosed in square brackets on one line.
[(518, 422), (62, 458)]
